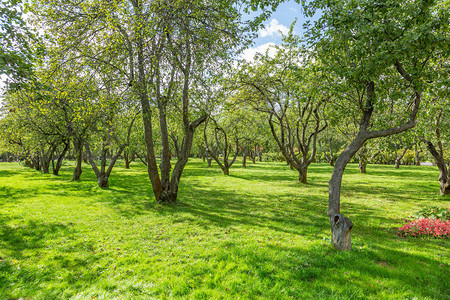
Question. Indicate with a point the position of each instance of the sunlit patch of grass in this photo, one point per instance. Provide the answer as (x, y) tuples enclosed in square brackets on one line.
[(254, 234)]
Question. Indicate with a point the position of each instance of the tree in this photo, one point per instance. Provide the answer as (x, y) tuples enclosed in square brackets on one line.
[(220, 144), (16, 53), (163, 49), (435, 121), (288, 90), (370, 46)]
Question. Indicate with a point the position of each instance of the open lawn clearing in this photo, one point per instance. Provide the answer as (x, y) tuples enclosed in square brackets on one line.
[(256, 234)]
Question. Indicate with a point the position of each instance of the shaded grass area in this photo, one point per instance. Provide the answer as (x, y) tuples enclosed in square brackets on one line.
[(256, 234)]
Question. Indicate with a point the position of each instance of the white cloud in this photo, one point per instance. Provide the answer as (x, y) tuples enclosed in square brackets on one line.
[(249, 54), (273, 28)]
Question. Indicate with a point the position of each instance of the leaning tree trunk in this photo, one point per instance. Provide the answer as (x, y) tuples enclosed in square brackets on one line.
[(340, 225), (444, 171)]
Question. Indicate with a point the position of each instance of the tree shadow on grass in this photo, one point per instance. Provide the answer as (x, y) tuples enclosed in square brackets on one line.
[(64, 252), (359, 271)]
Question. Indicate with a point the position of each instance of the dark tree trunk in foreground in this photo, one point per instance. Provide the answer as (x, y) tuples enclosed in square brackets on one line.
[(78, 147), (165, 184), (340, 225)]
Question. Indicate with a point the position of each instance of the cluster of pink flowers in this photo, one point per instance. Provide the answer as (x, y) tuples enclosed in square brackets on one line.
[(430, 227)]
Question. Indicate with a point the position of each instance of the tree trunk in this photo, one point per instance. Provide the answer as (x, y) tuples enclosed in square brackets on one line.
[(58, 165), (102, 181), (362, 167), (417, 155), (226, 171), (127, 160), (340, 225), (78, 156), (29, 162), (397, 163), (302, 176), (362, 160), (244, 160), (37, 163), (209, 159), (45, 166), (444, 171)]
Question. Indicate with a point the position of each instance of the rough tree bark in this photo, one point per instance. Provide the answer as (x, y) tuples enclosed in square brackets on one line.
[(340, 225), (78, 147), (438, 155)]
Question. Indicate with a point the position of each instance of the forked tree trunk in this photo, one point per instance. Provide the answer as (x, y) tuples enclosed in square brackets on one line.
[(58, 165)]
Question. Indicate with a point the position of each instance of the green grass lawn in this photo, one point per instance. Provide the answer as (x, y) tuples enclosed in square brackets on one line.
[(256, 234)]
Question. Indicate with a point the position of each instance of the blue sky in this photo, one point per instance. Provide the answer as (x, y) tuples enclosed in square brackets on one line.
[(280, 20)]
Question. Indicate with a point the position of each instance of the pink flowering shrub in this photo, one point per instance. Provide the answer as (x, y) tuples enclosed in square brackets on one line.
[(426, 227)]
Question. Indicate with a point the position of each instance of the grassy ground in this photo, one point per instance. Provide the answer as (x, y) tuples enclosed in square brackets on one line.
[(256, 234)]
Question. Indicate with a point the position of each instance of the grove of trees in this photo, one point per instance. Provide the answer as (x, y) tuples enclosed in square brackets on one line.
[(161, 81)]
